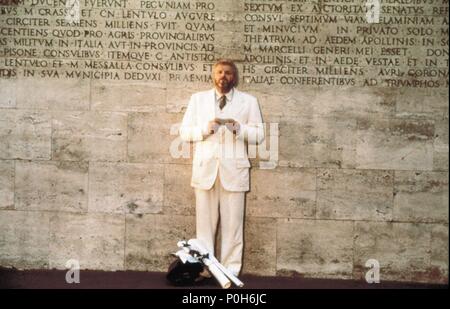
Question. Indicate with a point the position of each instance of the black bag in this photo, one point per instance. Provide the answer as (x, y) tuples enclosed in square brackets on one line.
[(183, 274)]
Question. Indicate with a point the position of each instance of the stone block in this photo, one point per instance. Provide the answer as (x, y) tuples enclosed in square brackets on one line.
[(134, 97), (64, 94), (95, 240), (152, 238), (421, 103), (149, 138), (179, 197), (8, 93), (24, 243), (89, 136), (355, 194), (440, 154), (276, 102), (421, 196), (6, 184), (290, 193), (309, 102), (126, 187), (439, 254), (25, 135), (260, 246), (180, 95), (317, 142), (53, 186), (402, 250), (315, 248), (399, 144), (353, 102)]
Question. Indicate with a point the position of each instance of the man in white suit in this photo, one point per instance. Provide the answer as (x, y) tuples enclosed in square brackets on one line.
[(222, 122)]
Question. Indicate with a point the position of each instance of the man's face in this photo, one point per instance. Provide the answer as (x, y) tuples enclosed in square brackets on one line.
[(223, 77)]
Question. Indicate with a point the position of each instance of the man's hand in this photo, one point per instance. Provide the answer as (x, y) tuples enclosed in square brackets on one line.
[(224, 121), (232, 125), (213, 126)]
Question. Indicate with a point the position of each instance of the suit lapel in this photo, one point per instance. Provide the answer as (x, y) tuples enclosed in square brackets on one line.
[(211, 105), (237, 103)]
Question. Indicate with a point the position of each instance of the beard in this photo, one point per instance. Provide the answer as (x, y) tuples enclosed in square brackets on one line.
[(224, 85)]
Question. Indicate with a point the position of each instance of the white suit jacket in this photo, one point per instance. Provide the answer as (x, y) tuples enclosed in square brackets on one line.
[(223, 152)]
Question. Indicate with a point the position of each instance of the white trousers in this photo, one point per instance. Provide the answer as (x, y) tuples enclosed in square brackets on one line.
[(229, 206)]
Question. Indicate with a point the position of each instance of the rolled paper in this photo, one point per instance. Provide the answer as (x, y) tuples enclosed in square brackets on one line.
[(198, 245)]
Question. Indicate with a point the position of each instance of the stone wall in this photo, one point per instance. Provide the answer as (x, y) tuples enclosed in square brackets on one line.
[(90, 89)]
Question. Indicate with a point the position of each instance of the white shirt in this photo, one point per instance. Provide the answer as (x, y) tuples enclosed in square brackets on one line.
[(229, 96), (220, 113)]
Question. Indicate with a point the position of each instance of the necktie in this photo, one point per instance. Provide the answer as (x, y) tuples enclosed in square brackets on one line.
[(223, 101)]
